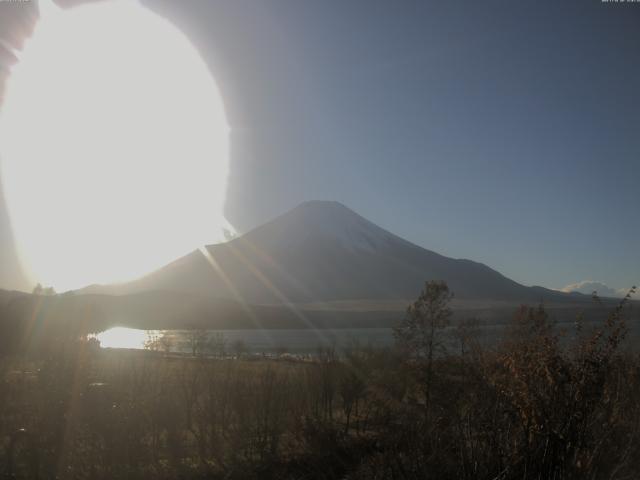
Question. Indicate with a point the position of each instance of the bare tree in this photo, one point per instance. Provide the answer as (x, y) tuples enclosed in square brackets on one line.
[(153, 341), (417, 335), (166, 343), (197, 340), (218, 344), (46, 291)]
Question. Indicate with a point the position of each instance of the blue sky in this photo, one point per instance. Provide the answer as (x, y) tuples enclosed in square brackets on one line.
[(504, 132)]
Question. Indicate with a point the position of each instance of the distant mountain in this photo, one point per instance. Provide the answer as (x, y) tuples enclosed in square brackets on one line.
[(318, 266), (7, 295), (322, 251)]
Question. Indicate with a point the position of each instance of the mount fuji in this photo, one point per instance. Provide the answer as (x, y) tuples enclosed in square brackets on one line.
[(321, 251)]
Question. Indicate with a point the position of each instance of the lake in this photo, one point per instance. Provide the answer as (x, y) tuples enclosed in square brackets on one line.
[(296, 341)]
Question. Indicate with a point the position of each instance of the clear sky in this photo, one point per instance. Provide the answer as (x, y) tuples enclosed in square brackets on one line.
[(504, 132)]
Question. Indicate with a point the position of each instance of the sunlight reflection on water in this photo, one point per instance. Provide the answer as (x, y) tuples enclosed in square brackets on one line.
[(122, 337), (299, 341), (295, 341)]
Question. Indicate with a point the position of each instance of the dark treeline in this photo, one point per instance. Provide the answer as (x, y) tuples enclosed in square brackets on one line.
[(542, 403)]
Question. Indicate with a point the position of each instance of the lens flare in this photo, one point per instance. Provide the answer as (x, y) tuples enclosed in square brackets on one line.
[(114, 146)]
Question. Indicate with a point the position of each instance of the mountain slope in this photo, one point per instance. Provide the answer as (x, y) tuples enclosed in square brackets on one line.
[(323, 251)]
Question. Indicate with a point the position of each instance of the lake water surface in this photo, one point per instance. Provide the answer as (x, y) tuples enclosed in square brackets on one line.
[(297, 341)]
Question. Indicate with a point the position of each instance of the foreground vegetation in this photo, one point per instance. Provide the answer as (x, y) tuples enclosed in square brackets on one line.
[(543, 403)]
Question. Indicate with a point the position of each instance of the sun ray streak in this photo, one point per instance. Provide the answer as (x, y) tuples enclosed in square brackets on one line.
[(282, 271), (273, 289), (234, 291), (37, 316)]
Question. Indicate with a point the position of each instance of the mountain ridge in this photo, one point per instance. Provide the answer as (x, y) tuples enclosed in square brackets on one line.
[(323, 251)]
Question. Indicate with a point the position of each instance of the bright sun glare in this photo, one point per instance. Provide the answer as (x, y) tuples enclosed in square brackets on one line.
[(122, 337), (114, 146)]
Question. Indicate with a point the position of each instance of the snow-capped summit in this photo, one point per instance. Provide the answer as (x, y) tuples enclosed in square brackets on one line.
[(328, 220)]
